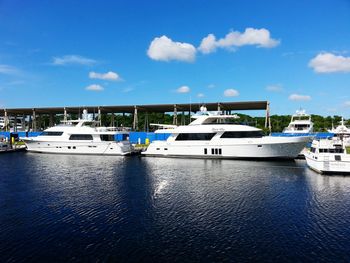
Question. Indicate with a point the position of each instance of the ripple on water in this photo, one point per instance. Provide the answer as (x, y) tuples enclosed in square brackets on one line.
[(60, 207)]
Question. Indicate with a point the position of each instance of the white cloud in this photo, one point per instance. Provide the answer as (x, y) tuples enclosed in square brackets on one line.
[(73, 60), (347, 103), (231, 93), (251, 36), (274, 88), (8, 70), (299, 97), (94, 87), (183, 89), (105, 76), (211, 86), (200, 95), (164, 49), (208, 44), (329, 63)]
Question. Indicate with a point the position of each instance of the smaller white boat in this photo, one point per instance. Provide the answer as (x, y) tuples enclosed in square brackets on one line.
[(300, 123), (328, 156), (342, 132)]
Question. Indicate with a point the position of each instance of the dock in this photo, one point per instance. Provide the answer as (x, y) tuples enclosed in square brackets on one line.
[(180, 112)]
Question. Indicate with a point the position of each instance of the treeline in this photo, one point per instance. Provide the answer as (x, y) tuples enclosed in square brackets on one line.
[(279, 122)]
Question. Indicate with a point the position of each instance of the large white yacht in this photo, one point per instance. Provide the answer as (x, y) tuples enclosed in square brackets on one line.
[(212, 135), (80, 137), (300, 123), (328, 156)]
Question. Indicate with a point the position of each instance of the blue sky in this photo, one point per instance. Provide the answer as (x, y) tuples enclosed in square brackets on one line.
[(75, 53)]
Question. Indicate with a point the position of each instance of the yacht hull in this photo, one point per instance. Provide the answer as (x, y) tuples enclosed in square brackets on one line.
[(267, 148), (94, 148)]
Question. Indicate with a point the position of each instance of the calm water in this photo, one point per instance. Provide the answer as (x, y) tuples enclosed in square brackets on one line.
[(132, 209)]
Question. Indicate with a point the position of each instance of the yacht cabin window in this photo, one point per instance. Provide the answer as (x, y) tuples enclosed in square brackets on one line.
[(242, 134), (332, 150), (51, 133), (81, 137), (219, 121), (107, 137), (89, 124), (195, 136)]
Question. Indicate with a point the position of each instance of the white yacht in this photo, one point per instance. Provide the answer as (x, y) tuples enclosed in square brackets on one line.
[(80, 137), (328, 156), (300, 123), (342, 132), (212, 135)]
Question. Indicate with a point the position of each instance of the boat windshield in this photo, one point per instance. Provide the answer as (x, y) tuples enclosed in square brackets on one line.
[(51, 133), (89, 124), (331, 150), (66, 124), (220, 121), (79, 123), (301, 126), (301, 118)]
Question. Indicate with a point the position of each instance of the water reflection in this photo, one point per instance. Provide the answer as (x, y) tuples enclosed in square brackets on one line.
[(162, 209)]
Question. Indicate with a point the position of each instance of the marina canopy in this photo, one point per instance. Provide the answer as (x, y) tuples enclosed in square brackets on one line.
[(162, 108)]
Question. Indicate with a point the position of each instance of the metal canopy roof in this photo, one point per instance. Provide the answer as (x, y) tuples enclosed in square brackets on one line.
[(245, 105)]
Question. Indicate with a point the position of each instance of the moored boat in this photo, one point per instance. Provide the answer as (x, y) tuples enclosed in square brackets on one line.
[(213, 135), (342, 132), (300, 123), (80, 137), (328, 156)]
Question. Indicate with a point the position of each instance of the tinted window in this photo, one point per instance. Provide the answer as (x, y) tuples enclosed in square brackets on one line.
[(51, 133), (242, 134), (195, 136), (87, 137), (107, 137), (301, 126), (337, 158)]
